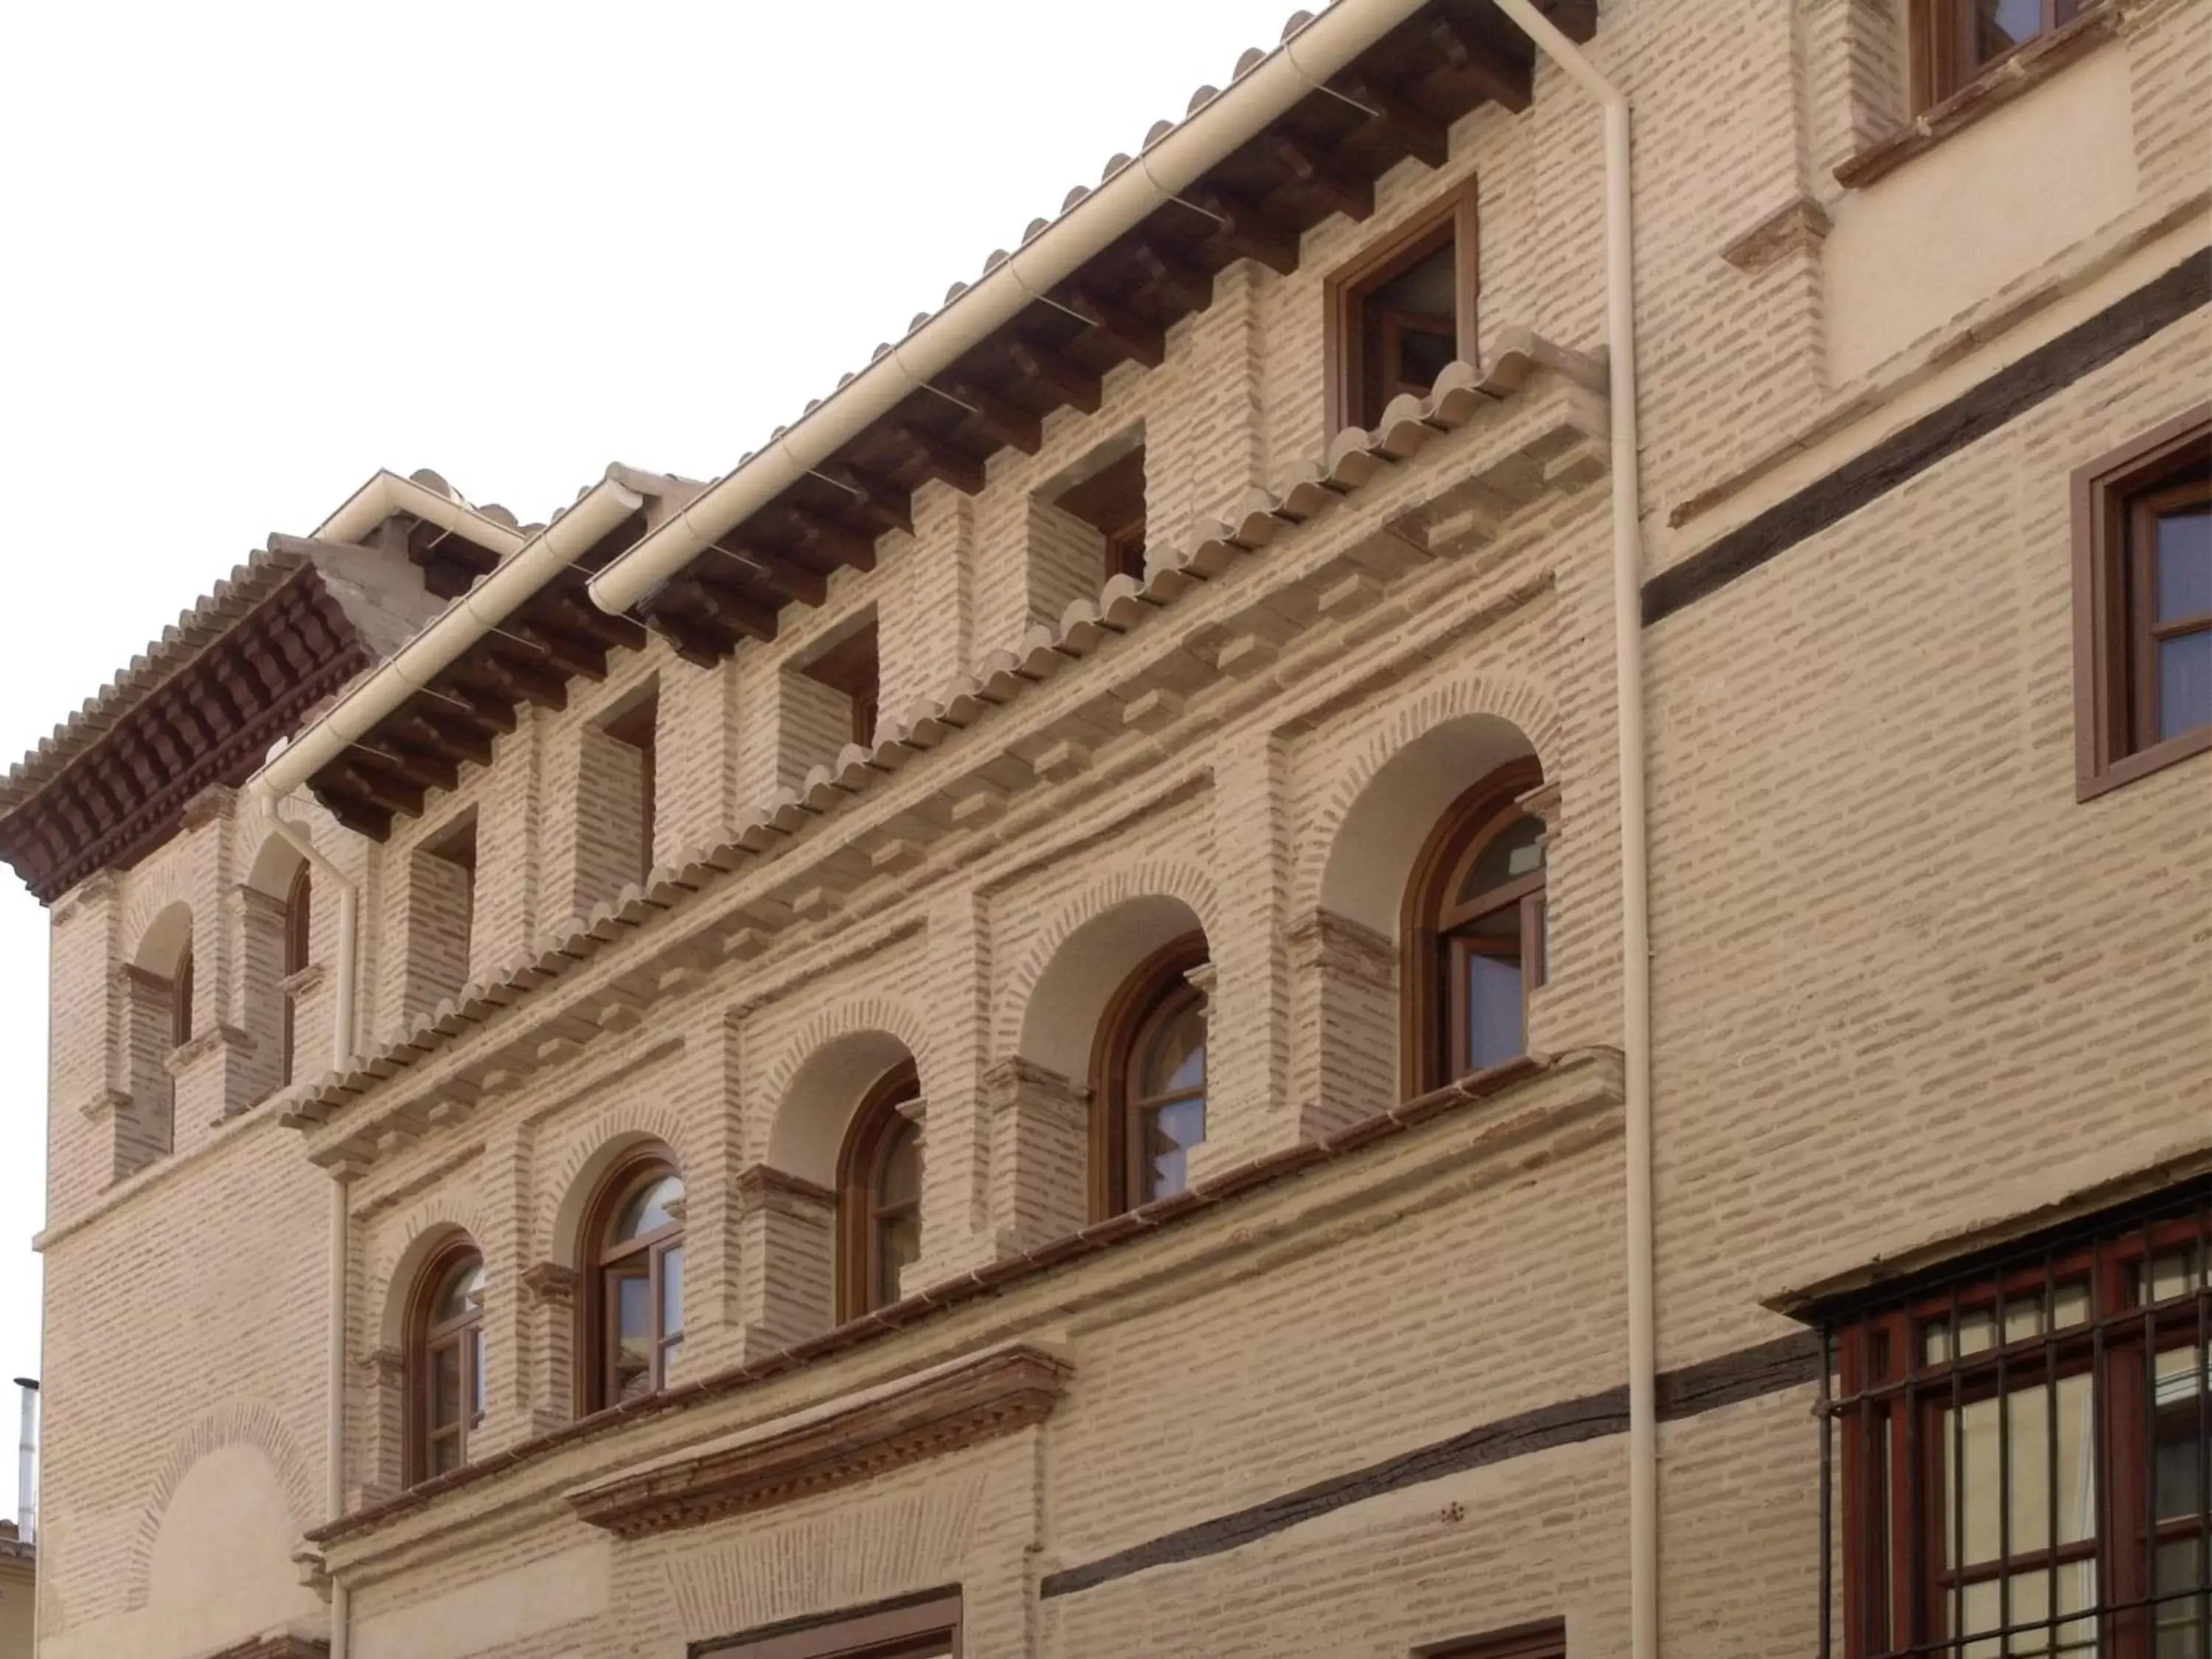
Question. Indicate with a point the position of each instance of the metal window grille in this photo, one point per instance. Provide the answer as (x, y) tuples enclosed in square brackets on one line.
[(2017, 1459)]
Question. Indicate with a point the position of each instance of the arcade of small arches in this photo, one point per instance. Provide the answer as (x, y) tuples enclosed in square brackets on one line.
[(1102, 1110)]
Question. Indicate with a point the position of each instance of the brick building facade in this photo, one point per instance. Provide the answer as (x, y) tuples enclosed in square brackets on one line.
[(1023, 1057)]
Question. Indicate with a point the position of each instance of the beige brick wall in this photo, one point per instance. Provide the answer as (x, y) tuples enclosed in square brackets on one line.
[(1905, 984)]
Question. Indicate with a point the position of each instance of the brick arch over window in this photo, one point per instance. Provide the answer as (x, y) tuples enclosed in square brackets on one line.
[(1351, 859), (609, 1137), (809, 1063), (398, 1262), (1036, 1029), (814, 1109), (253, 1423)]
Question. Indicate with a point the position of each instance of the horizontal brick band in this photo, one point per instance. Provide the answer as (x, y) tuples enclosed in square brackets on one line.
[(1967, 418), (1788, 1362)]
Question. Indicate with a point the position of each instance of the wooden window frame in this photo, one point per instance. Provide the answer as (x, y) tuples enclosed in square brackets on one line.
[(2108, 653), (181, 993), (1431, 1004), (1891, 1404), (299, 920), (1158, 988), (1546, 1639), (1451, 220), (423, 1339), (1940, 46), (596, 1337), (890, 1630), (1123, 532), (877, 1125)]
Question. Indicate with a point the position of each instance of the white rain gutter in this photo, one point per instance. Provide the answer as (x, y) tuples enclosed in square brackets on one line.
[(464, 622), (1320, 49), (1635, 839), (387, 494), (342, 1034)]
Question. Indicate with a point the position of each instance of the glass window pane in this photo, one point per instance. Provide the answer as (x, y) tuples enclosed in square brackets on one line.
[(631, 1311), (672, 1291), (2185, 564), (462, 1293), (1514, 852), (2181, 1566), (445, 1386), (2184, 683), (899, 1245), (2027, 1423), (1175, 1059), (1984, 1607), (2001, 25), (2175, 1273), (1169, 1133), (445, 1453), (648, 1212), (899, 1179), (2180, 1381), (477, 1391), (1494, 1031)]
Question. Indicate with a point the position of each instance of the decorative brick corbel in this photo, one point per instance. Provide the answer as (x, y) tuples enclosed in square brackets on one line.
[(216, 801), (551, 1284), (103, 1103)]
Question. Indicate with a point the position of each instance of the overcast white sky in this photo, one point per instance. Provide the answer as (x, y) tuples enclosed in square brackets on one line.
[(253, 252)]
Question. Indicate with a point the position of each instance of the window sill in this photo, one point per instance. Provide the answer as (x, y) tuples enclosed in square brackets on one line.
[(2018, 74), (2088, 785)]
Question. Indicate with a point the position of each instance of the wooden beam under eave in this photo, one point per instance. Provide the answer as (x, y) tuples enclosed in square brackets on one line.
[(826, 539), (413, 767), (1400, 122), (697, 642), (1506, 81), (1320, 174), (568, 611), (1004, 421), (786, 578), (733, 613), (1246, 230), (355, 813), (382, 794), (1187, 287), (516, 681), (1128, 333), (1068, 382), (572, 657), (948, 464), (881, 502), (452, 738)]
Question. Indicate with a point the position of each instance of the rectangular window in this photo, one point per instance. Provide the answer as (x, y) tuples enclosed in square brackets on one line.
[(920, 1627), (616, 787), (1956, 42), (1545, 1641), (2142, 590), (441, 880), (852, 668), (2026, 1450), (1401, 312), (1111, 502)]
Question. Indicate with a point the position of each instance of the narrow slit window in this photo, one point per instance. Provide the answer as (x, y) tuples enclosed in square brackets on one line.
[(633, 727)]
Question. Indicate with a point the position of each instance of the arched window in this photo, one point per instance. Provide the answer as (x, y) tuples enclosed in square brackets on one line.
[(879, 1196), (1474, 934), (299, 900), (1149, 1081), (181, 1000), (634, 1308), (446, 1367)]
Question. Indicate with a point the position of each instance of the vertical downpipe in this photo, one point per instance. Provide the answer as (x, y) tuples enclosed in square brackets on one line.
[(27, 1466), (1634, 847)]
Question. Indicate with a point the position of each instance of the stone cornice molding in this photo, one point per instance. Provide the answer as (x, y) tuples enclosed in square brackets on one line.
[(858, 1439), (309, 978)]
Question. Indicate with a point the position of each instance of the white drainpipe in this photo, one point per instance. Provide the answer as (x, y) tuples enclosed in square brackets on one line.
[(1635, 844), (1320, 49), (342, 1034)]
